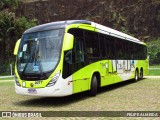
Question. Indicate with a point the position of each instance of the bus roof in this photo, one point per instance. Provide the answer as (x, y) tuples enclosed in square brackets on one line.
[(101, 28), (54, 25), (112, 32)]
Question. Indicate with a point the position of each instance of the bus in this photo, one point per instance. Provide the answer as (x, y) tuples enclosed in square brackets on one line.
[(67, 57)]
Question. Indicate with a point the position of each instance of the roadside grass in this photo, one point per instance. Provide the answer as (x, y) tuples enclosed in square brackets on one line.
[(4, 74), (143, 95), (154, 66), (7, 78), (154, 72), (6, 84)]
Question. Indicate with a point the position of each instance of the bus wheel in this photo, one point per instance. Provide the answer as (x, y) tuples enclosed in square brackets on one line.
[(141, 73), (93, 90), (136, 78)]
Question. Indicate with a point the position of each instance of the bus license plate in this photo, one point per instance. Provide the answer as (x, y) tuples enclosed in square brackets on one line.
[(32, 91)]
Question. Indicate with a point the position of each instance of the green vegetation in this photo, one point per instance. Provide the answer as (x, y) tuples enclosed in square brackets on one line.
[(5, 69), (143, 95), (154, 72), (27, 1), (11, 29), (154, 66), (7, 78), (8, 4), (154, 51), (7, 84)]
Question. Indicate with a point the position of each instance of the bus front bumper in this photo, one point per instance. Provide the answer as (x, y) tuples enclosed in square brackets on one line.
[(60, 89), (45, 92)]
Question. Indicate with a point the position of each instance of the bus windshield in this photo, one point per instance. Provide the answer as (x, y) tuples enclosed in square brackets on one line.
[(39, 52)]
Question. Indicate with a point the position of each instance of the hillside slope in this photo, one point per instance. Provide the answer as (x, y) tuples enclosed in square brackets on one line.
[(139, 17)]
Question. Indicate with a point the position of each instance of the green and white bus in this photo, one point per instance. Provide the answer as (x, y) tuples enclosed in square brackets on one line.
[(67, 57)]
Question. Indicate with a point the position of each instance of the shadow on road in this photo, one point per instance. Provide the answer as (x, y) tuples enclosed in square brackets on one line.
[(117, 85), (53, 101), (65, 101)]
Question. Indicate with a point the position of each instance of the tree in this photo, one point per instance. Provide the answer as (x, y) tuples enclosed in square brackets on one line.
[(8, 4), (7, 21), (154, 50), (21, 24), (11, 29)]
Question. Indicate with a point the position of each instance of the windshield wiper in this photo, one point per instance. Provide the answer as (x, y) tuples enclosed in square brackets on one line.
[(28, 61), (35, 55)]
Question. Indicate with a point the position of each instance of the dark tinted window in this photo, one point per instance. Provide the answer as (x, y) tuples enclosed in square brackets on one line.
[(110, 47), (102, 45), (92, 44)]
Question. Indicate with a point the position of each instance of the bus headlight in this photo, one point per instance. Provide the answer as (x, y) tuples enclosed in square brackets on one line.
[(16, 80), (54, 79)]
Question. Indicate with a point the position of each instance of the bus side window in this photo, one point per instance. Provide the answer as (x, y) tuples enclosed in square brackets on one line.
[(67, 64), (102, 46), (68, 57), (92, 44), (78, 51)]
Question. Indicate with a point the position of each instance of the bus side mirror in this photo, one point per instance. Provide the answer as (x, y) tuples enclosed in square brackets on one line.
[(68, 41), (16, 47)]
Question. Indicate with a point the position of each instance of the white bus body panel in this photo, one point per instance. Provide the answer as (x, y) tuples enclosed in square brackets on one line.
[(63, 87)]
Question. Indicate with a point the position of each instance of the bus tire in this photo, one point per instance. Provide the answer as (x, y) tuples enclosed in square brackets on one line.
[(93, 90), (136, 78), (141, 73)]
